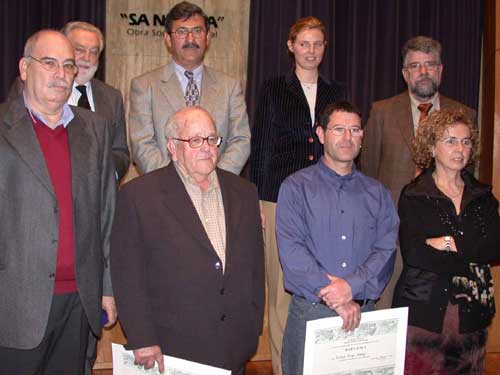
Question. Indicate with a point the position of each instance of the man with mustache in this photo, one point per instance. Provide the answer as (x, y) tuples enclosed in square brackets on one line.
[(186, 81), (336, 231), (57, 200), (386, 153)]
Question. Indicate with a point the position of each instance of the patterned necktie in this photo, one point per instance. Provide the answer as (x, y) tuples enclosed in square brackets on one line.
[(192, 96), (84, 100), (424, 109)]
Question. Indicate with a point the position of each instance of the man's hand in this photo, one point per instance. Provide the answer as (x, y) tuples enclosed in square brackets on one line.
[(337, 293), (147, 357), (350, 314), (108, 305)]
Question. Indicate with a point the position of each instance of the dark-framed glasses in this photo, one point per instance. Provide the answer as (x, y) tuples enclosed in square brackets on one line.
[(338, 130), (52, 65), (183, 32), (454, 142), (416, 66), (196, 142)]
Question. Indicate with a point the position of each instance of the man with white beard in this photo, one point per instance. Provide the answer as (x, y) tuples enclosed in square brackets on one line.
[(95, 95)]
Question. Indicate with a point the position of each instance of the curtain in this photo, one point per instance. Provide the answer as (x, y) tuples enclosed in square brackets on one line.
[(21, 18), (364, 43)]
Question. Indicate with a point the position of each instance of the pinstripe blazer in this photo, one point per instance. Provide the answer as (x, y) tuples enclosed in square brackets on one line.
[(283, 136)]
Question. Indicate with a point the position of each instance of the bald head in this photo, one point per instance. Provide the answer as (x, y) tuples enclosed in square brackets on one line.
[(47, 69), (194, 159)]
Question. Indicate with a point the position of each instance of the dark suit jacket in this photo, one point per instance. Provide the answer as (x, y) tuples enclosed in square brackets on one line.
[(108, 103), (169, 289), (386, 153), (283, 137), (29, 222)]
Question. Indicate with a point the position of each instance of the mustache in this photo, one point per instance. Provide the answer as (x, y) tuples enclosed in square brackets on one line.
[(58, 84), (191, 45)]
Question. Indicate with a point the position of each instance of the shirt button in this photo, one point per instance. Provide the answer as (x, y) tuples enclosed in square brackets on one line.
[(310, 157), (344, 264), (217, 266), (311, 140), (343, 238), (341, 211)]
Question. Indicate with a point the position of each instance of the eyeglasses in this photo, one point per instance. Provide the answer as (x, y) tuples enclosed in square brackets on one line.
[(183, 32), (196, 142), (340, 131), (52, 65), (94, 52), (454, 142), (416, 66)]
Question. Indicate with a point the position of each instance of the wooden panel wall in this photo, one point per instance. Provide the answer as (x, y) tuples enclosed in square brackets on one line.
[(490, 132)]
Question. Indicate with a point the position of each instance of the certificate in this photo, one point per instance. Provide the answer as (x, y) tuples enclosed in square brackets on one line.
[(376, 347), (123, 364)]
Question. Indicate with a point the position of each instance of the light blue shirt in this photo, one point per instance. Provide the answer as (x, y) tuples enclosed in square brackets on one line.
[(66, 118), (197, 75)]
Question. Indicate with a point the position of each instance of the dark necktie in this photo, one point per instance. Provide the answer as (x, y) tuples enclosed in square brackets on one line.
[(192, 95), (84, 100), (424, 109)]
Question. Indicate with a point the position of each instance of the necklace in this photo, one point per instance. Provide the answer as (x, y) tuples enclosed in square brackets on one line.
[(446, 191)]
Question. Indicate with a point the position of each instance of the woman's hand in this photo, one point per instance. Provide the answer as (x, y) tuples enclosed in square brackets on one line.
[(443, 243)]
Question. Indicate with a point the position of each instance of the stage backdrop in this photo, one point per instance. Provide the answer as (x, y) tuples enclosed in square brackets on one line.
[(135, 45)]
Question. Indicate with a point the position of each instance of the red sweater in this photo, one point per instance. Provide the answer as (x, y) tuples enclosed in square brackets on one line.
[(55, 147)]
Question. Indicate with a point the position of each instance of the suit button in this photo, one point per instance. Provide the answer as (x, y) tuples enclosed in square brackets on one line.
[(223, 317), (52, 275), (311, 140), (54, 241), (222, 291), (310, 157), (218, 266)]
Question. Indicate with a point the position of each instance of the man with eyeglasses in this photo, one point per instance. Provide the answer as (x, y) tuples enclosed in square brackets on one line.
[(336, 231), (187, 255), (58, 197), (186, 81), (391, 126)]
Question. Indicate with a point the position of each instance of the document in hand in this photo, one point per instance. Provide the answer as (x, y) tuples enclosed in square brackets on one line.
[(123, 364), (377, 346)]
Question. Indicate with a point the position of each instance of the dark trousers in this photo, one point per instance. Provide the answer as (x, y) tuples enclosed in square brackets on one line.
[(63, 347)]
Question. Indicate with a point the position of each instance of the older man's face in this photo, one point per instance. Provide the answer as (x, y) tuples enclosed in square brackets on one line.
[(423, 81), (196, 162), (86, 45), (44, 90)]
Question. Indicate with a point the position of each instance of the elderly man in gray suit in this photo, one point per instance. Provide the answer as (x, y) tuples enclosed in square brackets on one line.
[(57, 202), (156, 95)]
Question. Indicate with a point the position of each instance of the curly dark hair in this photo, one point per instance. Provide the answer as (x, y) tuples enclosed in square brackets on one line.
[(432, 129)]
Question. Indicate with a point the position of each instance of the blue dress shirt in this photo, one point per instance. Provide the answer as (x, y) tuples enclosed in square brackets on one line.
[(345, 226)]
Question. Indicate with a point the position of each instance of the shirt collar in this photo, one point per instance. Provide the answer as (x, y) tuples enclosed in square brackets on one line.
[(67, 115), (188, 180), (331, 173), (197, 72)]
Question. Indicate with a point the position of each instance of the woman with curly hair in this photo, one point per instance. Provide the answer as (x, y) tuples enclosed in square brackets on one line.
[(449, 234)]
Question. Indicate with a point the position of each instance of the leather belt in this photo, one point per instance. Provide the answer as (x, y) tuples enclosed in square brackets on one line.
[(360, 302)]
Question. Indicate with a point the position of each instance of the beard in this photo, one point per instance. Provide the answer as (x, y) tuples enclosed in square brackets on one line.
[(424, 87), (86, 72)]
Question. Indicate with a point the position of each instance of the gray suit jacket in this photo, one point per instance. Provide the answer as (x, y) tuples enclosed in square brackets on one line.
[(108, 103), (156, 95), (386, 153), (29, 222)]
